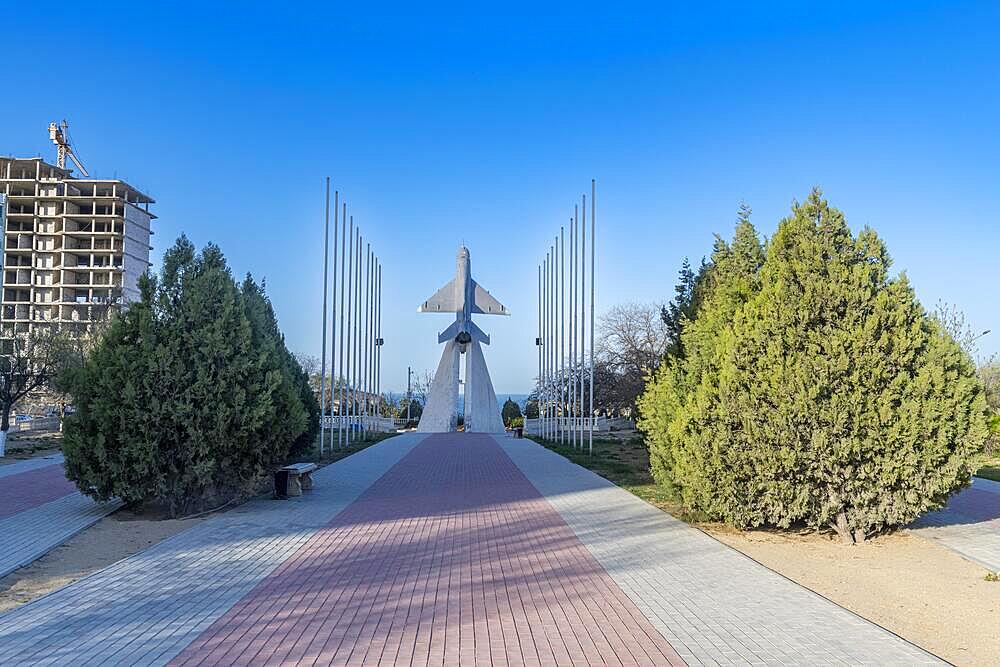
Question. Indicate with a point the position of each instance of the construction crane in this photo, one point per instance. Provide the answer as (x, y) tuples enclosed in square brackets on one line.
[(57, 133)]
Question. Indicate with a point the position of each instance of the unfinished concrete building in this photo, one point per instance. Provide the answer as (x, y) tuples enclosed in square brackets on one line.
[(73, 247)]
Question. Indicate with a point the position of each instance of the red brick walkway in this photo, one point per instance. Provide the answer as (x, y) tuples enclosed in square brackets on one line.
[(451, 558), (24, 490)]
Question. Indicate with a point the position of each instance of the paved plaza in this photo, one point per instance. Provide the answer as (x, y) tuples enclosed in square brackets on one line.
[(40, 509), (449, 549), (969, 524)]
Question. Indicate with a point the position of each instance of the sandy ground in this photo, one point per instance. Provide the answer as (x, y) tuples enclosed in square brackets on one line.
[(917, 589), (109, 540)]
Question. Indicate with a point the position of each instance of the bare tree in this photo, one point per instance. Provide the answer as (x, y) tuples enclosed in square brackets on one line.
[(633, 336), (633, 340), (954, 322), (420, 385), (308, 362), (987, 367), (32, 362)]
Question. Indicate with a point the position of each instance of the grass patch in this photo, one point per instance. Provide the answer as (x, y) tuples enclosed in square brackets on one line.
[(990, 469), (625, 463), (989, 472), (26, 444)]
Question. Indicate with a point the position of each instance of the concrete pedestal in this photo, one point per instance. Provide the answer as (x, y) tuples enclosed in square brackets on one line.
[(440, 415), (482, 412)]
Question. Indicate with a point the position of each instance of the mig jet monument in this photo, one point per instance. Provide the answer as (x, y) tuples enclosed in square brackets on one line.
[(463, 297)]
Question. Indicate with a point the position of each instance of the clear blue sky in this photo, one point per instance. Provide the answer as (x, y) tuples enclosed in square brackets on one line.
[(450, 123)]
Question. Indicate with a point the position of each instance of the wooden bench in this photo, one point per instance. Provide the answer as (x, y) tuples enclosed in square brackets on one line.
[(298, 476)]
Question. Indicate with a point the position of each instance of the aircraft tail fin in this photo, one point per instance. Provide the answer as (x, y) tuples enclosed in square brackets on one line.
[(448, 333), (478, 334)]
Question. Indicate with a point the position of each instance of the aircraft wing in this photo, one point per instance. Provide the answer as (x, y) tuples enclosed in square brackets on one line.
[(486, 304), (443, 301)]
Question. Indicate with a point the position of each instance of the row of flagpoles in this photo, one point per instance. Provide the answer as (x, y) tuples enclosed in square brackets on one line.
[(565, 352), (355, 333)]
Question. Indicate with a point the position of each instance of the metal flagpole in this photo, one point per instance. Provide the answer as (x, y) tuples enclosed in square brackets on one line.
[(378, 348), (551, 356), (357, 332), (583, 306), (340, 357), (553, 349), (548, 339), (348, 404), (538, 344), (555, 336), (366, 342), (333, 312), (572, 328), (593, 252), (370, 363), (373, 411), (562, 334), (545, 352), (322, 364), (548, 345)]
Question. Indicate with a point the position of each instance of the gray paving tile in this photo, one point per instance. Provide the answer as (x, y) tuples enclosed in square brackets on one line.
[(969, 525), (692, 587), (146, 608)]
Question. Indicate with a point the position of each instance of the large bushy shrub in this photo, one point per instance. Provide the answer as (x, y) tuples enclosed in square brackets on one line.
[(814, 388), (189, 395), (510, 411)]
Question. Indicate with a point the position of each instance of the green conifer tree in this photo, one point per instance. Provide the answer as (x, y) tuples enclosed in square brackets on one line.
[(110, 443), (816, 389), (678, 434), (510, 411), (296, 421), (189, 396)]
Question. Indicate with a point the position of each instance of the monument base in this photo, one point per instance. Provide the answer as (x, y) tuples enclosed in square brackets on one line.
[(482, 413), (440, 414)]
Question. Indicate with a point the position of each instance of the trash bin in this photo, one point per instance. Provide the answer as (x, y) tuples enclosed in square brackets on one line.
[(519, 432), (281, 484)]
